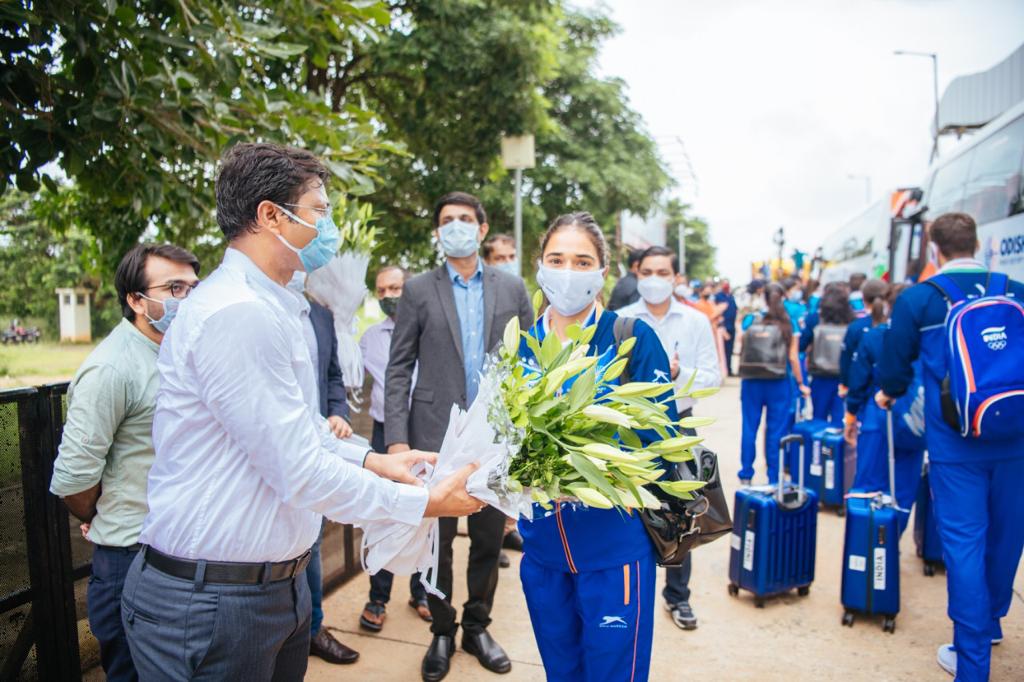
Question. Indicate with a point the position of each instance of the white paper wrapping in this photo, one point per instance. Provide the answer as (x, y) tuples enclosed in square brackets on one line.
[(341, 287), (404, 549)]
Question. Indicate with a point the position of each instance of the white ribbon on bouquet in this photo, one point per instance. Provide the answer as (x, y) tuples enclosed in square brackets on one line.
[(403, 549)]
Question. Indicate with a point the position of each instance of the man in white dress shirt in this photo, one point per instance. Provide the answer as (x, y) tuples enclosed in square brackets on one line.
[(245, 466), (689, 342)]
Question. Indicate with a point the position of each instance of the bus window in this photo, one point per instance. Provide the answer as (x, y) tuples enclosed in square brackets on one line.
[(994, 184), (947, 187)]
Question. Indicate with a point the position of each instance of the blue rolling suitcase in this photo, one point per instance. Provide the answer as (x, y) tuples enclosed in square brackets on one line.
[(811, 431), (774, 535), (871, 556), (926, 534), (837, 469)]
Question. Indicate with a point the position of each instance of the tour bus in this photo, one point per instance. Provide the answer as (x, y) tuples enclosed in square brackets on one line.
[(982, 176), (865, 243)]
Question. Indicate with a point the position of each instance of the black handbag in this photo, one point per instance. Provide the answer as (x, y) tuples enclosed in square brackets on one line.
[(681, 525)]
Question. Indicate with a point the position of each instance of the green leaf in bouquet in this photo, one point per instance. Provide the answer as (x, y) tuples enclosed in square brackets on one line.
[(588, 334), (642, 500), (514, 486), (607, 452), (630, 439), (642, 389), (511, 337), (573, 331), (549, 350), (541, 498), (615, 370), (591, 497), (544, 406), (677, 456), (600, 413), (695, 422), (538, 301), (680, 487), (533, 345), (626, 346), (676, 443), (594, 476), (704, 392), (582, 390), (684, 392)]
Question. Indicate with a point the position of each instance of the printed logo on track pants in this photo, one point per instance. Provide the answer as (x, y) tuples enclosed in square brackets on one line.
[(613, 622)]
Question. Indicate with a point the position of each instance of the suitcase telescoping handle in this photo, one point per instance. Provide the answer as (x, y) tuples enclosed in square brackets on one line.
[(786, 440), (892, 456)]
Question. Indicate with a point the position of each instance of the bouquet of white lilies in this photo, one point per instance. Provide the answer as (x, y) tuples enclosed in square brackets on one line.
[(577, 429), (558, 429)]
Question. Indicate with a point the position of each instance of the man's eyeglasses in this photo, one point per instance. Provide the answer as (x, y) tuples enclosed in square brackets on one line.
[(322, 211), (177, 288)]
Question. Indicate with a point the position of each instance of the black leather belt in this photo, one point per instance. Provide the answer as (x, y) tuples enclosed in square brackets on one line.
[(227, 572)]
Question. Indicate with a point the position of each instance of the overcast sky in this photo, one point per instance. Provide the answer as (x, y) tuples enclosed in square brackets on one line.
[(778, 101)]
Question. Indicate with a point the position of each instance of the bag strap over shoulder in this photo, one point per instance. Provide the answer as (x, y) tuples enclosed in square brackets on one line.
[(998, 284), (950, 290), (622, 330)]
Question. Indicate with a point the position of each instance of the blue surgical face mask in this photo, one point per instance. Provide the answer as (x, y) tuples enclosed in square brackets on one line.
[(170, 305), (459, 238), (570, 291), (324, 246), (511, 267)]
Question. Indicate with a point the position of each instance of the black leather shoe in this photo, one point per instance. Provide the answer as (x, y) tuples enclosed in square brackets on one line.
[(504, 561), (439, 656), (513, 540), (331, 650), (487, 651)]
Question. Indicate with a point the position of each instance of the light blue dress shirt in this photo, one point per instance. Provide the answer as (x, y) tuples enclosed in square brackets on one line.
[(469, 303)]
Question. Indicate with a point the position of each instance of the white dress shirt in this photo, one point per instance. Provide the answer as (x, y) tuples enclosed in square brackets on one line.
[(685, 332), (245, 465)]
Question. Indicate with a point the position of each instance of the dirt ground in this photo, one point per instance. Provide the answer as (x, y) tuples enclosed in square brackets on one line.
[(792, 638)]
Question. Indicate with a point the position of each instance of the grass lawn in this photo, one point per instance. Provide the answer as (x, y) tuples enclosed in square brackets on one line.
[(31, 364)]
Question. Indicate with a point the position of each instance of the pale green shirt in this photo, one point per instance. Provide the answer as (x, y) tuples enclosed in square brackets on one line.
[(108, 434)]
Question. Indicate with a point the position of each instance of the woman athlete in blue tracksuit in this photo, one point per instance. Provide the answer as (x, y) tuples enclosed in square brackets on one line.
[(872, 441), (833, 309), (589, 574), (773, 395)]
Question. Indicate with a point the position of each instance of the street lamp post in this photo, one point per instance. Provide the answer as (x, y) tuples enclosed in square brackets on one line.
[(935, 90), (780, 241), (867, 185), (517, 154)]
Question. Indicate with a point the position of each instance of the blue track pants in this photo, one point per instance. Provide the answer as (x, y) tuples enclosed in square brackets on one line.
[(873, 471), (828, 406), (756, 395)]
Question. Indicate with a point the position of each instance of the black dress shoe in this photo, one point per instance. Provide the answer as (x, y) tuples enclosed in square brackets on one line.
[(513, 540), (503, 560), (331, 650), (487, 651), (439, 656)]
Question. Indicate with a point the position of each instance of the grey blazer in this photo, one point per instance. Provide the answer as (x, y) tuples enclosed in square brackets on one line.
[(427, 331)]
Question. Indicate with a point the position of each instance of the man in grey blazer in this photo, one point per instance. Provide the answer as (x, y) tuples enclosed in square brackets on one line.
[(448, 320)]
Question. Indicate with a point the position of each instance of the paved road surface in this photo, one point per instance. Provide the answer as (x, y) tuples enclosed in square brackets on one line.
[(792, 638)]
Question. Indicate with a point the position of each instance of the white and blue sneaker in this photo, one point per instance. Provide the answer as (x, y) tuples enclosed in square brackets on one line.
[(947, 658)]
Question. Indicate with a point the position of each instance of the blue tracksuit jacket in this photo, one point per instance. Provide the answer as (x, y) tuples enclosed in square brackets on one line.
[(975, 485), (854, 333)]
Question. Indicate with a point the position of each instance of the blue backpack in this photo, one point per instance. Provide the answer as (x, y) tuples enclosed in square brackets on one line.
[(983, 393)]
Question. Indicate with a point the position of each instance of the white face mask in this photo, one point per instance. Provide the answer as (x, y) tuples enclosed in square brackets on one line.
[(796, 296), (459, 238), (570, 291), (654, 290), (683, 291)]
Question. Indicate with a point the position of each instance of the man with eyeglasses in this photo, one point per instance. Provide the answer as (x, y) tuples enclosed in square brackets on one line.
[(107, 447)]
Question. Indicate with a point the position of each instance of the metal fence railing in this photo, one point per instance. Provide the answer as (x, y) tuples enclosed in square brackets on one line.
[(44, 559)]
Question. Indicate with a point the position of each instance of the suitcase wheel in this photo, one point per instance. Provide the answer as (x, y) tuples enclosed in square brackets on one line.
[(734, 589), (758, 602), (920, 553), (848, 619), (929, 569), (803, 591), (889, 624)]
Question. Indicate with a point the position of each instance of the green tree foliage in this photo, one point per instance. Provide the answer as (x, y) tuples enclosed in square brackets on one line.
[(700, 252), (39, 253), (453, 76), (135, 100)]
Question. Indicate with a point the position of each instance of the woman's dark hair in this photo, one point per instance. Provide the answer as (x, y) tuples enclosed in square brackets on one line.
[(874, 289), (777, 315), (881, 307), (459, 199), (130, 277), (583, 222), (809, 289), (835, 304), (252, 173)]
